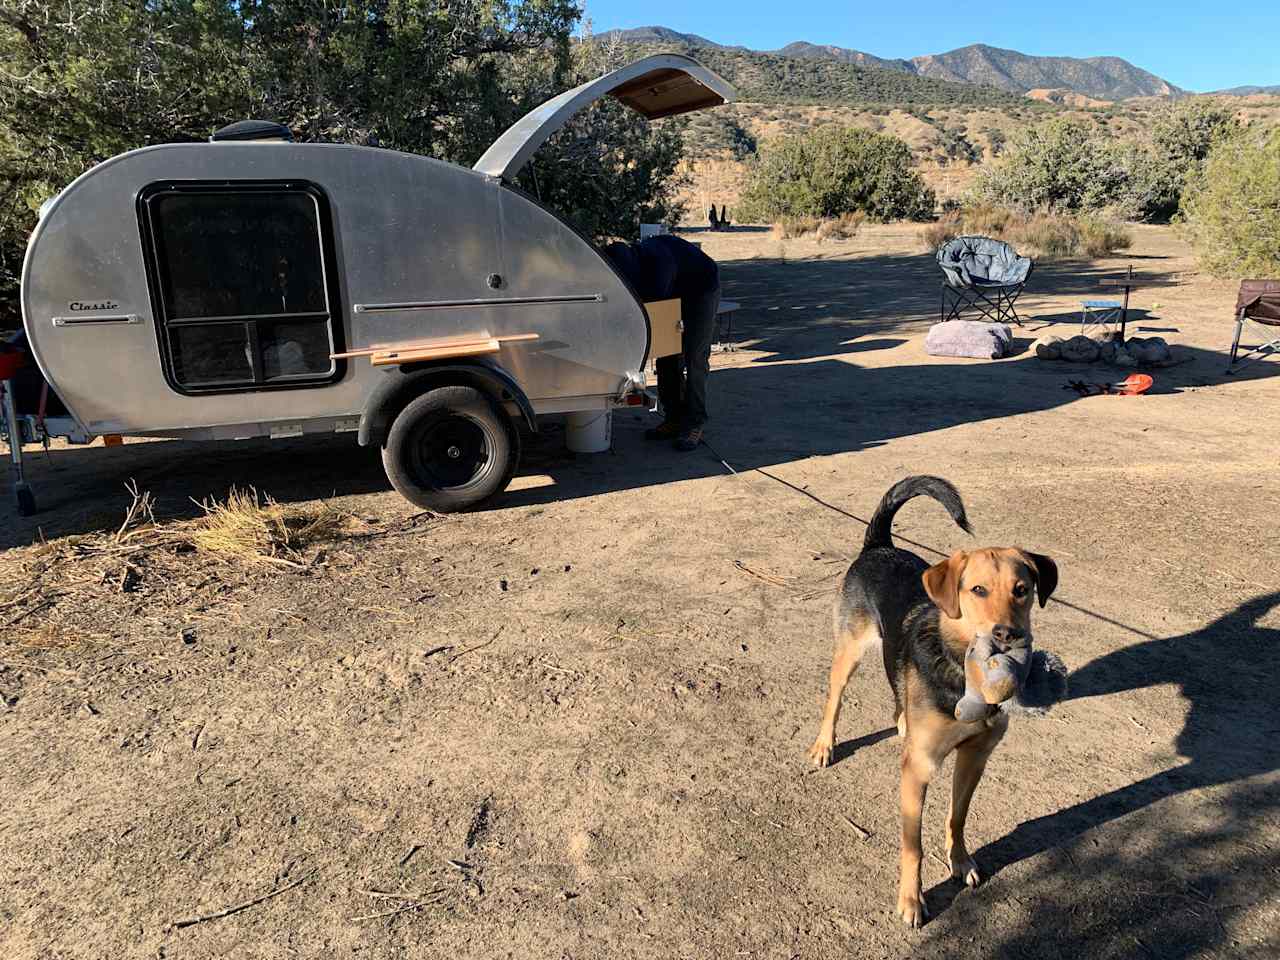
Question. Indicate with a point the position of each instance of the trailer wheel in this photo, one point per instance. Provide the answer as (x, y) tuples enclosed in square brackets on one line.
[(451, 449)]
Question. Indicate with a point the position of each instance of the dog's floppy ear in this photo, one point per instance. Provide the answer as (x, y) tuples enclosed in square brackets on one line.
[(1046, 575), (942, 583)]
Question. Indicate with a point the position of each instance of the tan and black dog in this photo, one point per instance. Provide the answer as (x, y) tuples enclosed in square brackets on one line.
[(924, 618)]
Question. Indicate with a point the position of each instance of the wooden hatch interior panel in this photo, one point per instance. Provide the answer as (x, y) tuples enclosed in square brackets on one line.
[(664, 327)]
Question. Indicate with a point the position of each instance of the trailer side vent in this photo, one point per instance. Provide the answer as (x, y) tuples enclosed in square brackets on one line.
[(252, 130)]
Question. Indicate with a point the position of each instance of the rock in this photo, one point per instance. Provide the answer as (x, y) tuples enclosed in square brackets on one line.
[(1152, 350), (1080, 349), (1048, 347), (1116, 354)]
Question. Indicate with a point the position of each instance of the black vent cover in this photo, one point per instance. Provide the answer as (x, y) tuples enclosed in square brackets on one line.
[(252, 130)]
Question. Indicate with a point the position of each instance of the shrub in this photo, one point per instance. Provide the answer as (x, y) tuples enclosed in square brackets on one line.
[(843, 227), (1099, 238), (1231, 211), (1061, 164), (833, 170), (1072, 165), (947, 227), (986, 220), (790, 228), (1043, 234)]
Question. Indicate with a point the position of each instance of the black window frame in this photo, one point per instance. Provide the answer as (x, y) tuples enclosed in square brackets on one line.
[(153, 260)]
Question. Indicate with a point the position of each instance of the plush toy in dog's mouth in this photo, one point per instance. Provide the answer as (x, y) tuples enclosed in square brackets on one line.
[(1018, 680)]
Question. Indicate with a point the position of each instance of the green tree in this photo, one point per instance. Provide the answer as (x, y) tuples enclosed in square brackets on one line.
[(1060, 164), (834, 170), (608, 169), (1231, 212), (1182, 136)]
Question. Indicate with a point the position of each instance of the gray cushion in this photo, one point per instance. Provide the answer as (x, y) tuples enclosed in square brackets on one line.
[(981, 261), (968, 338)]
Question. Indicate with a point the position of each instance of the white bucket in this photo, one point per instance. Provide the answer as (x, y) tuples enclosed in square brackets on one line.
[(589, 431)]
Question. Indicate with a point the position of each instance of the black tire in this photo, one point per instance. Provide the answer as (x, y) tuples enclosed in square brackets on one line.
[(451, 449), (26, 501)]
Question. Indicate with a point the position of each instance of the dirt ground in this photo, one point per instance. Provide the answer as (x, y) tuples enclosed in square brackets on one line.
[(574, 726)]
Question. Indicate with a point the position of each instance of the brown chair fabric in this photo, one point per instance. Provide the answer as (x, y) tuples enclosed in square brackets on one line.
[(1259, 300)]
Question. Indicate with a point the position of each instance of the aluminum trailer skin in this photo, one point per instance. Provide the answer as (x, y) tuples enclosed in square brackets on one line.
[(260, 287)]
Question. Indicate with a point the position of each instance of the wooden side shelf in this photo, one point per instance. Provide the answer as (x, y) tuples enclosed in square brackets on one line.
[(440, 348)]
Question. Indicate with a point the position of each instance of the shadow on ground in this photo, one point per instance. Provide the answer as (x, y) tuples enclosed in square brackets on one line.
[(806, 396), (1161, 886)]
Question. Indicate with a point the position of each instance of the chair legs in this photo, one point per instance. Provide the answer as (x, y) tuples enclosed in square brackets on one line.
[(1235, 341), (1237, 361), (999, 310)]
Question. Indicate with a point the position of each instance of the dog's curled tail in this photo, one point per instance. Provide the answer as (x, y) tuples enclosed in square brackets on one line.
[(881, 527)]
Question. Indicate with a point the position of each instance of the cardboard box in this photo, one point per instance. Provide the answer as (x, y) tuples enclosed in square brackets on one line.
[(664, 327)]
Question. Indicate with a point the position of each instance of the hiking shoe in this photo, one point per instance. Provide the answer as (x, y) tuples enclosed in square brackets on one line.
[(667, 430), (689, 440)]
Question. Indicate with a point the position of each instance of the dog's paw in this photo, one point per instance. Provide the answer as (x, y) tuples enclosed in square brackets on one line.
[(965, 869), (912, 910), (820, 752)]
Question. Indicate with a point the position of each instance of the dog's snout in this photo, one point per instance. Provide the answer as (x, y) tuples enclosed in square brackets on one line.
[(1006, 634)]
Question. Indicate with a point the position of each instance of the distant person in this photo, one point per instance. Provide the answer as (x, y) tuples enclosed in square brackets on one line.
[(724, 218), (711, 218), (660, 268)]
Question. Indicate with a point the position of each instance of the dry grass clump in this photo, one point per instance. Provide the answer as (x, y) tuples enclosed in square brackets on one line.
[(792, 228), (246, 529), (1100, 238), (1048, 235), (945, 228), (255, 529), (843, 227), (988, 220), (1045, 235)]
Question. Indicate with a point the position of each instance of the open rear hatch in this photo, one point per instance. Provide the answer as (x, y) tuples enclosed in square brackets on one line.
[(663, 85)]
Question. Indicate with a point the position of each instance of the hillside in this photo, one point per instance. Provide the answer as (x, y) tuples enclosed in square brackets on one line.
[(1251, 91), (1099, 78), (813, 51), (1104, 78), (773, 78)]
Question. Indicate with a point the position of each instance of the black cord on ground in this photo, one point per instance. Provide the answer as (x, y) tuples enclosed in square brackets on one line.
[(923, 546)]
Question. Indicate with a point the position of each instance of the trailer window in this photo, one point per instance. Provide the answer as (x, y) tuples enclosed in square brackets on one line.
[(243, 280)]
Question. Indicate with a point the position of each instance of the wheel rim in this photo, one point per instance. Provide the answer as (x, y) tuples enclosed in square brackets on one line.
[(453, 453)]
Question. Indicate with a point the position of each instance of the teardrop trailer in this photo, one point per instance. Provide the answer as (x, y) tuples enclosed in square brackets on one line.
[(253, 286)]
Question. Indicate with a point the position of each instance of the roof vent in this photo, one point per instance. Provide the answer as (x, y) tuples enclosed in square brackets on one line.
[(252, 130)]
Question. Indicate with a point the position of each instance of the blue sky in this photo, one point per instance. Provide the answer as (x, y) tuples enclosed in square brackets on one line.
[(1194, 45)]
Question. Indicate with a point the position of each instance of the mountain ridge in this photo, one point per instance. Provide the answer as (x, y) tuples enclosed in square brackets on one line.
[(1100, 78)]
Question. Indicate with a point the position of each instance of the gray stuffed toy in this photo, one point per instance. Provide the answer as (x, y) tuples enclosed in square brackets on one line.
[(1016, 681)]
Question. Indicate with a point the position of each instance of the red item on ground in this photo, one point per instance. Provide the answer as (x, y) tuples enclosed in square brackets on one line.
[(1133, 385)]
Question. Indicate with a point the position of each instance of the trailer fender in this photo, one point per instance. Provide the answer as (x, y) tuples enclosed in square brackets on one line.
[(402, 384)]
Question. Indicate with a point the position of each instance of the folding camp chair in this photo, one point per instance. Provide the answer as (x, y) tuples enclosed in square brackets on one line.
[(1259, 302), (984, 275)]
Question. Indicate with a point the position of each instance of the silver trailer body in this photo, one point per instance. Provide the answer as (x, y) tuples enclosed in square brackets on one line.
[(159, 300), (416, 243)]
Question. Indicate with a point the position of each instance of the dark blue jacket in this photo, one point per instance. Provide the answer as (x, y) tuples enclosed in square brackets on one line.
[(663, 267)]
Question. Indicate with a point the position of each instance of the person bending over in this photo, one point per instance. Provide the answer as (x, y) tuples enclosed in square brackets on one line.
[(661, 268)]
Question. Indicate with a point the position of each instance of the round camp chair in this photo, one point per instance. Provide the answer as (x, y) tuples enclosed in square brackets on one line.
[(984, 275)]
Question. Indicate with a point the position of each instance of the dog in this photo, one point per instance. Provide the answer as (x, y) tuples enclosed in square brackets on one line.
[(924, 619)]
